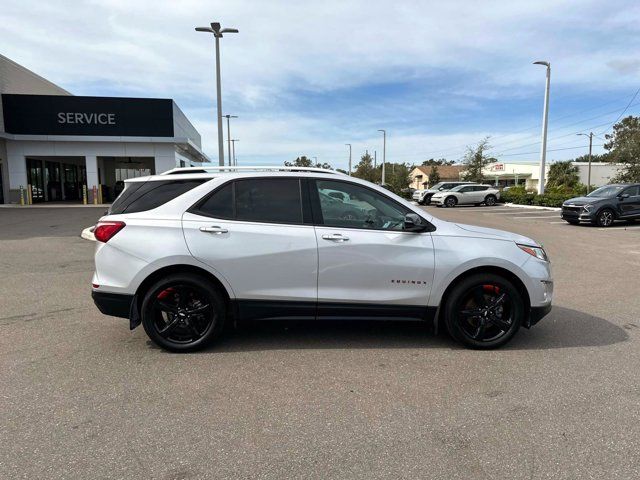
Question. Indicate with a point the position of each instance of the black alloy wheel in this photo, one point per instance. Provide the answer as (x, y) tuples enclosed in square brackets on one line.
[(484, 311), (605, 218), (183, 312), (450, 202), (490, 201)]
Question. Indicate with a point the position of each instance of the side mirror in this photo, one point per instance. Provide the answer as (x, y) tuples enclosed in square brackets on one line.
[(623, 196), (441, 189), (413, 223)]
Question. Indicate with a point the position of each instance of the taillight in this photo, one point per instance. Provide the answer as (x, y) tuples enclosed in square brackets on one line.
[(104, 231)]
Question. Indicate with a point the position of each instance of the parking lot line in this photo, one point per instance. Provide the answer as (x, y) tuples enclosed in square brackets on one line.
[(522, 212), (533, 218)]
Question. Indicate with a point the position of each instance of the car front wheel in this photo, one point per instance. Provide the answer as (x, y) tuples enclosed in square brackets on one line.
[(183, 312), (450, 202), (484, 311), (605, 218), (490, 201)]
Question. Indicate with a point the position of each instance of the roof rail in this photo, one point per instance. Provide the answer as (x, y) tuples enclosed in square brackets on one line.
[(276, 168)]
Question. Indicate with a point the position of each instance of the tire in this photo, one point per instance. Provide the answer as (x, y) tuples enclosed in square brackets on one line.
[(605, 218), (484, 311), (450, 202), (183, 312), (490, 200), (573, 222)]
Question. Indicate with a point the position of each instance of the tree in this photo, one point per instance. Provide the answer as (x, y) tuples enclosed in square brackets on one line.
[(306, 162), (434, 176), (563, 174), (397, 177), (364, 169), (475, 160), (623, 146), (442, 161)]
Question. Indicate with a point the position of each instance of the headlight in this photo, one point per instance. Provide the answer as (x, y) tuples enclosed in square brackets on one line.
[(537, 252), (587, 208)]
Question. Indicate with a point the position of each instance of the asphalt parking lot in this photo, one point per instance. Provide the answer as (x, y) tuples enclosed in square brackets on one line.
[(83, 397)]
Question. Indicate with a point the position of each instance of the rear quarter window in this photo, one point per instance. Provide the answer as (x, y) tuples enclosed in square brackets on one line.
[(151, 194)]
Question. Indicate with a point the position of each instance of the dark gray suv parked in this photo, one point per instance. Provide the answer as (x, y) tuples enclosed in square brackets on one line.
[(604, 205)]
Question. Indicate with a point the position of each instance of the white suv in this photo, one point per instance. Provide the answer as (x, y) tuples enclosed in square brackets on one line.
[(187, 251), (467, 195)]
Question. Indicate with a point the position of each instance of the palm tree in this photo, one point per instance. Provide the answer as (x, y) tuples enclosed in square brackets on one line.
[(563, 174)]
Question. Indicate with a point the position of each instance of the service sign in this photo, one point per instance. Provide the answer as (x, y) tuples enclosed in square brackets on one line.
[(98, 116)]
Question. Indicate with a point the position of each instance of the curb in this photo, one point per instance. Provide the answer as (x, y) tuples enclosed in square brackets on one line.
[(533, 207)]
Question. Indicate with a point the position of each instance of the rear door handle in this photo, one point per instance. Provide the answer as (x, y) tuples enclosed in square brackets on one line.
[(335, 237), (216, 230)]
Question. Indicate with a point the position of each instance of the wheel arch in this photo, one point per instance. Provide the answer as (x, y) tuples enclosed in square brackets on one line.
[(512, 277), (168, 270)]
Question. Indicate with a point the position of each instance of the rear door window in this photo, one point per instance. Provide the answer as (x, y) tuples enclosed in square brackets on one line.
[(270, 200)]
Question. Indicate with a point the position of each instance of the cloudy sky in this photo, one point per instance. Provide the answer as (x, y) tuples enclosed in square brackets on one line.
[(307, 77)]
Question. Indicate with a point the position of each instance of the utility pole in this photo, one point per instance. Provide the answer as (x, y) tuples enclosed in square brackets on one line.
[(384, 153), (229, 138), (545, 120), (233, 143), (589, 170), (217, 33), (349, 145)]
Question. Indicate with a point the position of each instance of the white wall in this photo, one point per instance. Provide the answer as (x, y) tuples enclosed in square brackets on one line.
[(601, 172)]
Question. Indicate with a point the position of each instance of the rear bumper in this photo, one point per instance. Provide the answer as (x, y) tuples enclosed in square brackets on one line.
[(538, 313), (114, 304)]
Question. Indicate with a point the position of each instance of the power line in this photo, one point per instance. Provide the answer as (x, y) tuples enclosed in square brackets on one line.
[(623, 112), (551, 150)]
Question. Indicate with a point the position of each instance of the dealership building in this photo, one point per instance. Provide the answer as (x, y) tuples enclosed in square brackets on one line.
[(54, 146)]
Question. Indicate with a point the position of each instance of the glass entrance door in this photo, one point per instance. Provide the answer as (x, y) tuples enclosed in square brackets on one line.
[(53, 184), (35, 178), (71, 188)]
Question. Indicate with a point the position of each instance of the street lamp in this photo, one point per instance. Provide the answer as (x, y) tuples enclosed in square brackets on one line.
[(349, 145), (384, 152), (233, 142), (217, 33), (229, 136), (589, 171), (545, 119)]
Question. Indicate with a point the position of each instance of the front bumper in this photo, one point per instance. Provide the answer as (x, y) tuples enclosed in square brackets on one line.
[(537, 313), (437, 200), (576, 215), (113, 304)]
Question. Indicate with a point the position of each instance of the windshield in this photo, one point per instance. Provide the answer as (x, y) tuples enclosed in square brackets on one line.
[(437, 186), (457, 189), (606, 191)]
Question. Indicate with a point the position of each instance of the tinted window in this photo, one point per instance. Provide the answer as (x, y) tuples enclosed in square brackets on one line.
[(275, 200), (143, 196), (481, 188), (633, 191), (361, 207), (448, 186), (220, 204)]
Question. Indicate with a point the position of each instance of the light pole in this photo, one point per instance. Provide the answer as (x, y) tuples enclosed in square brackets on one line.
[(384, 153), (349, 145), (233, 143), (589, 171), (545, 119), (217, 33), (229, 136)]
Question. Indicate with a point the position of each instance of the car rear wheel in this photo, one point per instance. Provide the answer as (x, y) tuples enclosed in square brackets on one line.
[(605, 218), (490, 201), (484, 311), (183, 312), (450, 201)]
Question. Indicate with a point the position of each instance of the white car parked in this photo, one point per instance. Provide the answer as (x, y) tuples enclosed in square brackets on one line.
[(185, 252), (467, 195)]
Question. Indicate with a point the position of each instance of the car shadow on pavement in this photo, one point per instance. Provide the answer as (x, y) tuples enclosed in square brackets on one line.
[(562, 328)]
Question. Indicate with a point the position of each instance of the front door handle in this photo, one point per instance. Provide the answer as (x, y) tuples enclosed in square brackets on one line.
[(216, 230), (335, 237)]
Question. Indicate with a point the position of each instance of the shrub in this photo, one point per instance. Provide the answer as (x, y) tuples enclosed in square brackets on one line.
[(553, 196)]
